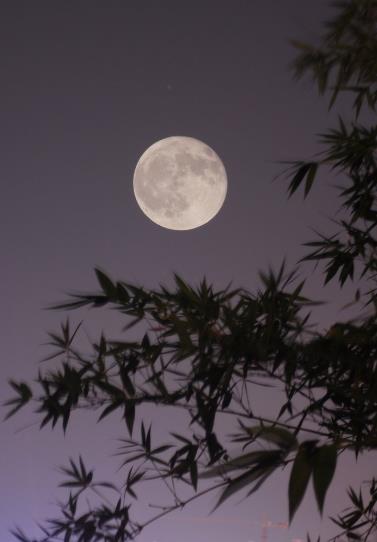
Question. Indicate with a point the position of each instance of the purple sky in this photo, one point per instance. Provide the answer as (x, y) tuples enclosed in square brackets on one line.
[(86, 87)]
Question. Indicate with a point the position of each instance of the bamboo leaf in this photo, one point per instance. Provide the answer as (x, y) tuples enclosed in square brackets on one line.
[(310, 178), (299, 479), (110, 408), (242, 462), (129, 415), (106, 284), (301, 172), (274, 434), (323, 472), (260, 472)]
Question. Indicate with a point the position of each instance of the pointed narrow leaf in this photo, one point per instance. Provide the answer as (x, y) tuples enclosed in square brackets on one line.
[(194, 474), (129, 415), (275, 434), (238, 483), (242, 462), (260, 472), (302, 169), (106, 284), (323, 472), (261, 481), (310, 178), (299, 479), (113, 406), (20, 535)]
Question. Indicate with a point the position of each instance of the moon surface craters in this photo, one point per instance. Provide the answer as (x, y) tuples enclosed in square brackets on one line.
[(180, 183)]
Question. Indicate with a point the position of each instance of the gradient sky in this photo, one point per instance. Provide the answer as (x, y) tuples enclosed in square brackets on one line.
[(86, 87)]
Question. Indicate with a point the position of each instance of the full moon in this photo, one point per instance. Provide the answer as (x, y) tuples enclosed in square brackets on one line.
[(180, 183)]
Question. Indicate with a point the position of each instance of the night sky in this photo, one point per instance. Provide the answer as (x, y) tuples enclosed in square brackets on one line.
[(86, 87)]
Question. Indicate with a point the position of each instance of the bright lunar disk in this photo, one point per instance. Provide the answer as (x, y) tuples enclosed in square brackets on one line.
[(180, 183)]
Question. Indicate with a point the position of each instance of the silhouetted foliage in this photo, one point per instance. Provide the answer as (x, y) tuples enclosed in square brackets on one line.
[(203, 350)]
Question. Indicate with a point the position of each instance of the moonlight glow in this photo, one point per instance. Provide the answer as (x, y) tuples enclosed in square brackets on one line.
[(180, 183)]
